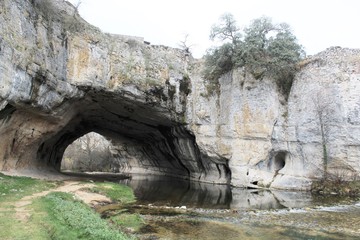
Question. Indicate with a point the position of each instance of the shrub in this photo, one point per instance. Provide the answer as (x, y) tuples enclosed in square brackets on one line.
[(45, 8), (50, 13), (263, 49)]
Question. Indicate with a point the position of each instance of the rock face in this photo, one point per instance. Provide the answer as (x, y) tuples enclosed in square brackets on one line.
[(61, 78), (276, 143)]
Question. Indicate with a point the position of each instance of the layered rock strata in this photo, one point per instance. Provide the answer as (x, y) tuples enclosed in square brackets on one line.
[(271, 142), (61, 78)]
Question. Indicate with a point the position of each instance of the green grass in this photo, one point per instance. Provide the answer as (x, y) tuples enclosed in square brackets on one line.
[(57, 215), (68, 218), (115, 191), (126, 220), (13, 229), (14, 188), (124, 195)]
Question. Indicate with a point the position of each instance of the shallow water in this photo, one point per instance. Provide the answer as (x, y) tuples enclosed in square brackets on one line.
[(309, 223), (190, 229), (221, 212), (163, 191)]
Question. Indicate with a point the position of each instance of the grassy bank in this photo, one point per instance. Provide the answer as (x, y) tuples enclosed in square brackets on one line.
[(117, 192), (14, 188), (68, 218), (57, 215)]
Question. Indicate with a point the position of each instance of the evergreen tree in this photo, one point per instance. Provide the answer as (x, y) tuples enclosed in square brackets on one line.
[(263, 49)]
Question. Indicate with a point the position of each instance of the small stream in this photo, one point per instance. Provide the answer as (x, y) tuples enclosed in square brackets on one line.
[(177, 209)]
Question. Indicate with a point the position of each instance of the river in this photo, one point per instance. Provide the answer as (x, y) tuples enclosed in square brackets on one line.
[(177, 209)]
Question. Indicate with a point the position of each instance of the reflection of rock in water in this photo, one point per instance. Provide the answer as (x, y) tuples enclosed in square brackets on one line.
[(254, 199), (293, 199), (265, 199), (175, 192), (160, 190), (209, 195)]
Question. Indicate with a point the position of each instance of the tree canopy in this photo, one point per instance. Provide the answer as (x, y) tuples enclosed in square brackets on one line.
[(263, 49)]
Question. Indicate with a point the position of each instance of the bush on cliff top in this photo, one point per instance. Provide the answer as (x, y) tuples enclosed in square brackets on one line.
[(263, 49)]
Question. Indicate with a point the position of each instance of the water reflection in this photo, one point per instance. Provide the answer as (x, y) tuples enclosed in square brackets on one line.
[(165, 191), (266, 199), (174, 192)]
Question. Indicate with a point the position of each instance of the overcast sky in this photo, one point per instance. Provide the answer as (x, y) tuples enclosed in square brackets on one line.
[(318, 24)]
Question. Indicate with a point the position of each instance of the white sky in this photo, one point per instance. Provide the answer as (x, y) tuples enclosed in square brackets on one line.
[(318, 24)]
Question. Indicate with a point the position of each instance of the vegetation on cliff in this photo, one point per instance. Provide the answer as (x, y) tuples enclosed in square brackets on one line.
[(263, 48)]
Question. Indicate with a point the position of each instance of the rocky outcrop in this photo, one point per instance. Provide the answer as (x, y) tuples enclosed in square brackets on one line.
[(62, 78), (270, 142)]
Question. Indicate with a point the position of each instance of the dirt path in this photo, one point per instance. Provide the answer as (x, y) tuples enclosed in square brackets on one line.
[(22, 213)]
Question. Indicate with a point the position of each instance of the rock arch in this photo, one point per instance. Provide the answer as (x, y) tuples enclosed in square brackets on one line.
[(73, 82), (59, 82), (166, 146)]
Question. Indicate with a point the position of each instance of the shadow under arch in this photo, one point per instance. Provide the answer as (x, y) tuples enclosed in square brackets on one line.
[(167, 147)]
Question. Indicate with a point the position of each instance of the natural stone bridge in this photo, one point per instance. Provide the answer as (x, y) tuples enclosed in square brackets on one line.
[(61, 78), (58, 85)]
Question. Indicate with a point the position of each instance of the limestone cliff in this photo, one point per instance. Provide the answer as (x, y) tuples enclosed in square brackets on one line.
[(61, 78), (276, 143)]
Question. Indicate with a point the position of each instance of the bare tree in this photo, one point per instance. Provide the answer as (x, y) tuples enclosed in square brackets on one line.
[(88, 153), (73, 23), (324, 111), (89, 143), (184, 44), (226, 29)]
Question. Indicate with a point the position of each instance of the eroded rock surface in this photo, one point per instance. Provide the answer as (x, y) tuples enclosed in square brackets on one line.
[(276, 143), (62, 78)]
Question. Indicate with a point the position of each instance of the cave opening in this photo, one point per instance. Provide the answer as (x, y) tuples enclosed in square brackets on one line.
[(144, 139), (89, 153), (279, 161)]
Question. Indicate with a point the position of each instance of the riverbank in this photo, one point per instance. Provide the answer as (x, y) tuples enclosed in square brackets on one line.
[(86, 209), (318, 223), (336, 187), (43, 209)]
